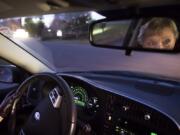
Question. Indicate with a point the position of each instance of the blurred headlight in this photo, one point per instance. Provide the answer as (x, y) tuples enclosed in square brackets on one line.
[(59, 33), (20, 33)]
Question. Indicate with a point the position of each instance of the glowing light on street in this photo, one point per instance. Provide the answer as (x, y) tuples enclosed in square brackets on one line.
[(23, 21), (49, 30), (59, 33), (48, 19), (35, 19), (20, 33)]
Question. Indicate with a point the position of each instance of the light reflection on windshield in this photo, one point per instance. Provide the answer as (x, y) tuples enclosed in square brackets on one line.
[(51, 26), (37, 34)]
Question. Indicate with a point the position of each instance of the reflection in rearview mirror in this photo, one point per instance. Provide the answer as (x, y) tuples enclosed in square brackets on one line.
[(111, 33), (158, 33), (145, 33)]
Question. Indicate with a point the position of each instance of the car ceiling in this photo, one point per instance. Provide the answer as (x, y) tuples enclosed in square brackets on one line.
[(12, 8)]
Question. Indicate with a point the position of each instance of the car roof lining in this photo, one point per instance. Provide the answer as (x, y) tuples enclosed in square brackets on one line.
[(13, 8)]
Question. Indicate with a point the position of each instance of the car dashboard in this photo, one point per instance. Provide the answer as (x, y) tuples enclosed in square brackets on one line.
[(110, 104), (113, 104)]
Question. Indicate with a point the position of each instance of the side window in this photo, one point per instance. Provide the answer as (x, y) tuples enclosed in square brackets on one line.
[(6, 71), (3, 62)]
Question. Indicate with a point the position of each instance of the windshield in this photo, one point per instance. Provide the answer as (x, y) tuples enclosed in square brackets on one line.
[(62, 41)]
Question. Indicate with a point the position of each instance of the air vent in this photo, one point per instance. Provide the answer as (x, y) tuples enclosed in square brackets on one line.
[(142, 116)]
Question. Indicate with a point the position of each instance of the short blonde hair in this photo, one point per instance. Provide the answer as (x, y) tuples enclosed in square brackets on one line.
[(156, 25)]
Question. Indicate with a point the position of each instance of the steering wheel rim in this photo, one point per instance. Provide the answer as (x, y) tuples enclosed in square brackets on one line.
[(64, 91)]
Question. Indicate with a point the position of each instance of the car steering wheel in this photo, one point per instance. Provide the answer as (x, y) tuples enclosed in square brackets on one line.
[(56, 113)]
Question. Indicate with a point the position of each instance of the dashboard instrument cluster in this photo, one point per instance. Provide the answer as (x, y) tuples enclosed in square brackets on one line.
[(85, 99)]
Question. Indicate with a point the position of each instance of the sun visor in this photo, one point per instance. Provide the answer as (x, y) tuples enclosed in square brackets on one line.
[(4, 7)]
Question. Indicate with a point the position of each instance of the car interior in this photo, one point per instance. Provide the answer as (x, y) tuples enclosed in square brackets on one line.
[(36, 98)]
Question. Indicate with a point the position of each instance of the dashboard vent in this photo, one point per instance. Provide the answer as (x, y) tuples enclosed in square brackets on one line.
[(142, 116)]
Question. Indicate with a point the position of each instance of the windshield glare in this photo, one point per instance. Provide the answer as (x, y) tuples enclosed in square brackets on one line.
[(62, 41)]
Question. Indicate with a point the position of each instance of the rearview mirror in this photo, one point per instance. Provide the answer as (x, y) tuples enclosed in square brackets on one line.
[(143, 34)]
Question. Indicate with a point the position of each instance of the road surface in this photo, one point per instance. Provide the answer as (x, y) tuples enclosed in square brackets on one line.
[(80, 55)]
